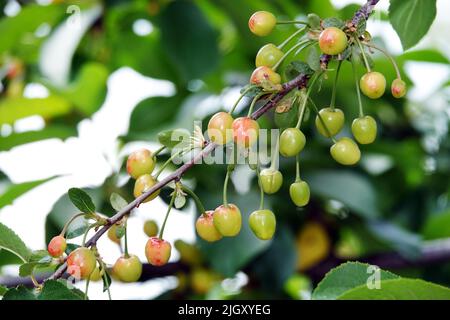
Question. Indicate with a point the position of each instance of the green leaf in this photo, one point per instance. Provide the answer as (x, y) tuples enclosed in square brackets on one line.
[(426, 55), (56, 290), (348, 187), (313, 58), (345, 277), (77, 231), (3, 290), (437, 226), (251, 90), (295, 68), (333, 22), (195, 53), (411, 19), (174, 138), (12, 109), (106, 278), (16, 190), (81, 200), (10, 241), (71, 247), (117, 202), (19, 293), (399, 289)]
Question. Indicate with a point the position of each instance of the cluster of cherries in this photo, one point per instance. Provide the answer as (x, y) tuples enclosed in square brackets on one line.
[(226, 219)]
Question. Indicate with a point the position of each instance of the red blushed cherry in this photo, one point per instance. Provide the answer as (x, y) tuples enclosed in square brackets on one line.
[(81, 263), (398, 88), (219, 128), (245, 131), (332, 41), (157, 251), (140, 162), (264, 74), (57, 246), (206, 229), (262, 23), (228, 220)]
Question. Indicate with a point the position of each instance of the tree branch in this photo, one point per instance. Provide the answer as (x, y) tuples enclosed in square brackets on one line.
[(298, 82)]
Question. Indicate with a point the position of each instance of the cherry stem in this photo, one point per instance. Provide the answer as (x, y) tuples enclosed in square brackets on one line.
[(321, 120), (292, 36), (72, 219), (287, 53), (305, 100), (333, 94), (196, 199), (293, 22), (358, 93), (225, 185), (255, 99), (239, 99), (394, 63), (172, 200), (158, 151), (83, 242), (126, 240), (261, 191), (363, 53), (297, 168), (88, 281), (105, 278)]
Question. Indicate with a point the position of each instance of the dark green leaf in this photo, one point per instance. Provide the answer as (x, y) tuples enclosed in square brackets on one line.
[(333, 22), (3, 290), (10, 241), (106, 281), (297, 67), (313, 58), (19, 293), (411, 19), (251, 90), (117, 202), (195, 53), (56, 290), (345, 277), (174, 138), (426, 55), (16, 190), (81, 200), (71, 247), (399, 289), (77, 231)]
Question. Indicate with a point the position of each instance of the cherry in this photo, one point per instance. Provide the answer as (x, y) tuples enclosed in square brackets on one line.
[(334, 121), (112, 233), (263, 224), (128, 269), (150, 228), (345, 151), (245, 131), (81, 263), (300, 193), (292, 141), (189, 253), (268, 56), (203, 280), (205, 227), (219, 128), (271, 180), (364, 129), (373, 84), (264, 74), (313, 245), (332, 41), (97, 274), (227, 220), (142, 184), (398, 88), (57, 246), (140, 162), (262, 23), (157, 251)]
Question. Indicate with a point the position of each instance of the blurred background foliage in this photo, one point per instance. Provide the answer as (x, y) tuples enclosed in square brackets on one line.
[(397, 199)]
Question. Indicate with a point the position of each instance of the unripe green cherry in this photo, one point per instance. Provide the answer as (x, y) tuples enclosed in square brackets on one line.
[(81, 263), (112, 233), (219, 128), (364, 129), (268, 56), (334, 121), (150, 228), (140, 162), (262, 23), (263, 224), (373, 84), (128, 269), (245, 131), (227, 220), (144, 183), (271, 180), (345, 151), (264, 74), (332, 41), (206, 229), (97, 274), (57, 246), (398, 88), (292, 141), (300, 193), (157, 251)]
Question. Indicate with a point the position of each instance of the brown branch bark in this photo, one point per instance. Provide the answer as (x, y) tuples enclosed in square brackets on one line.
[(298, 82)]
